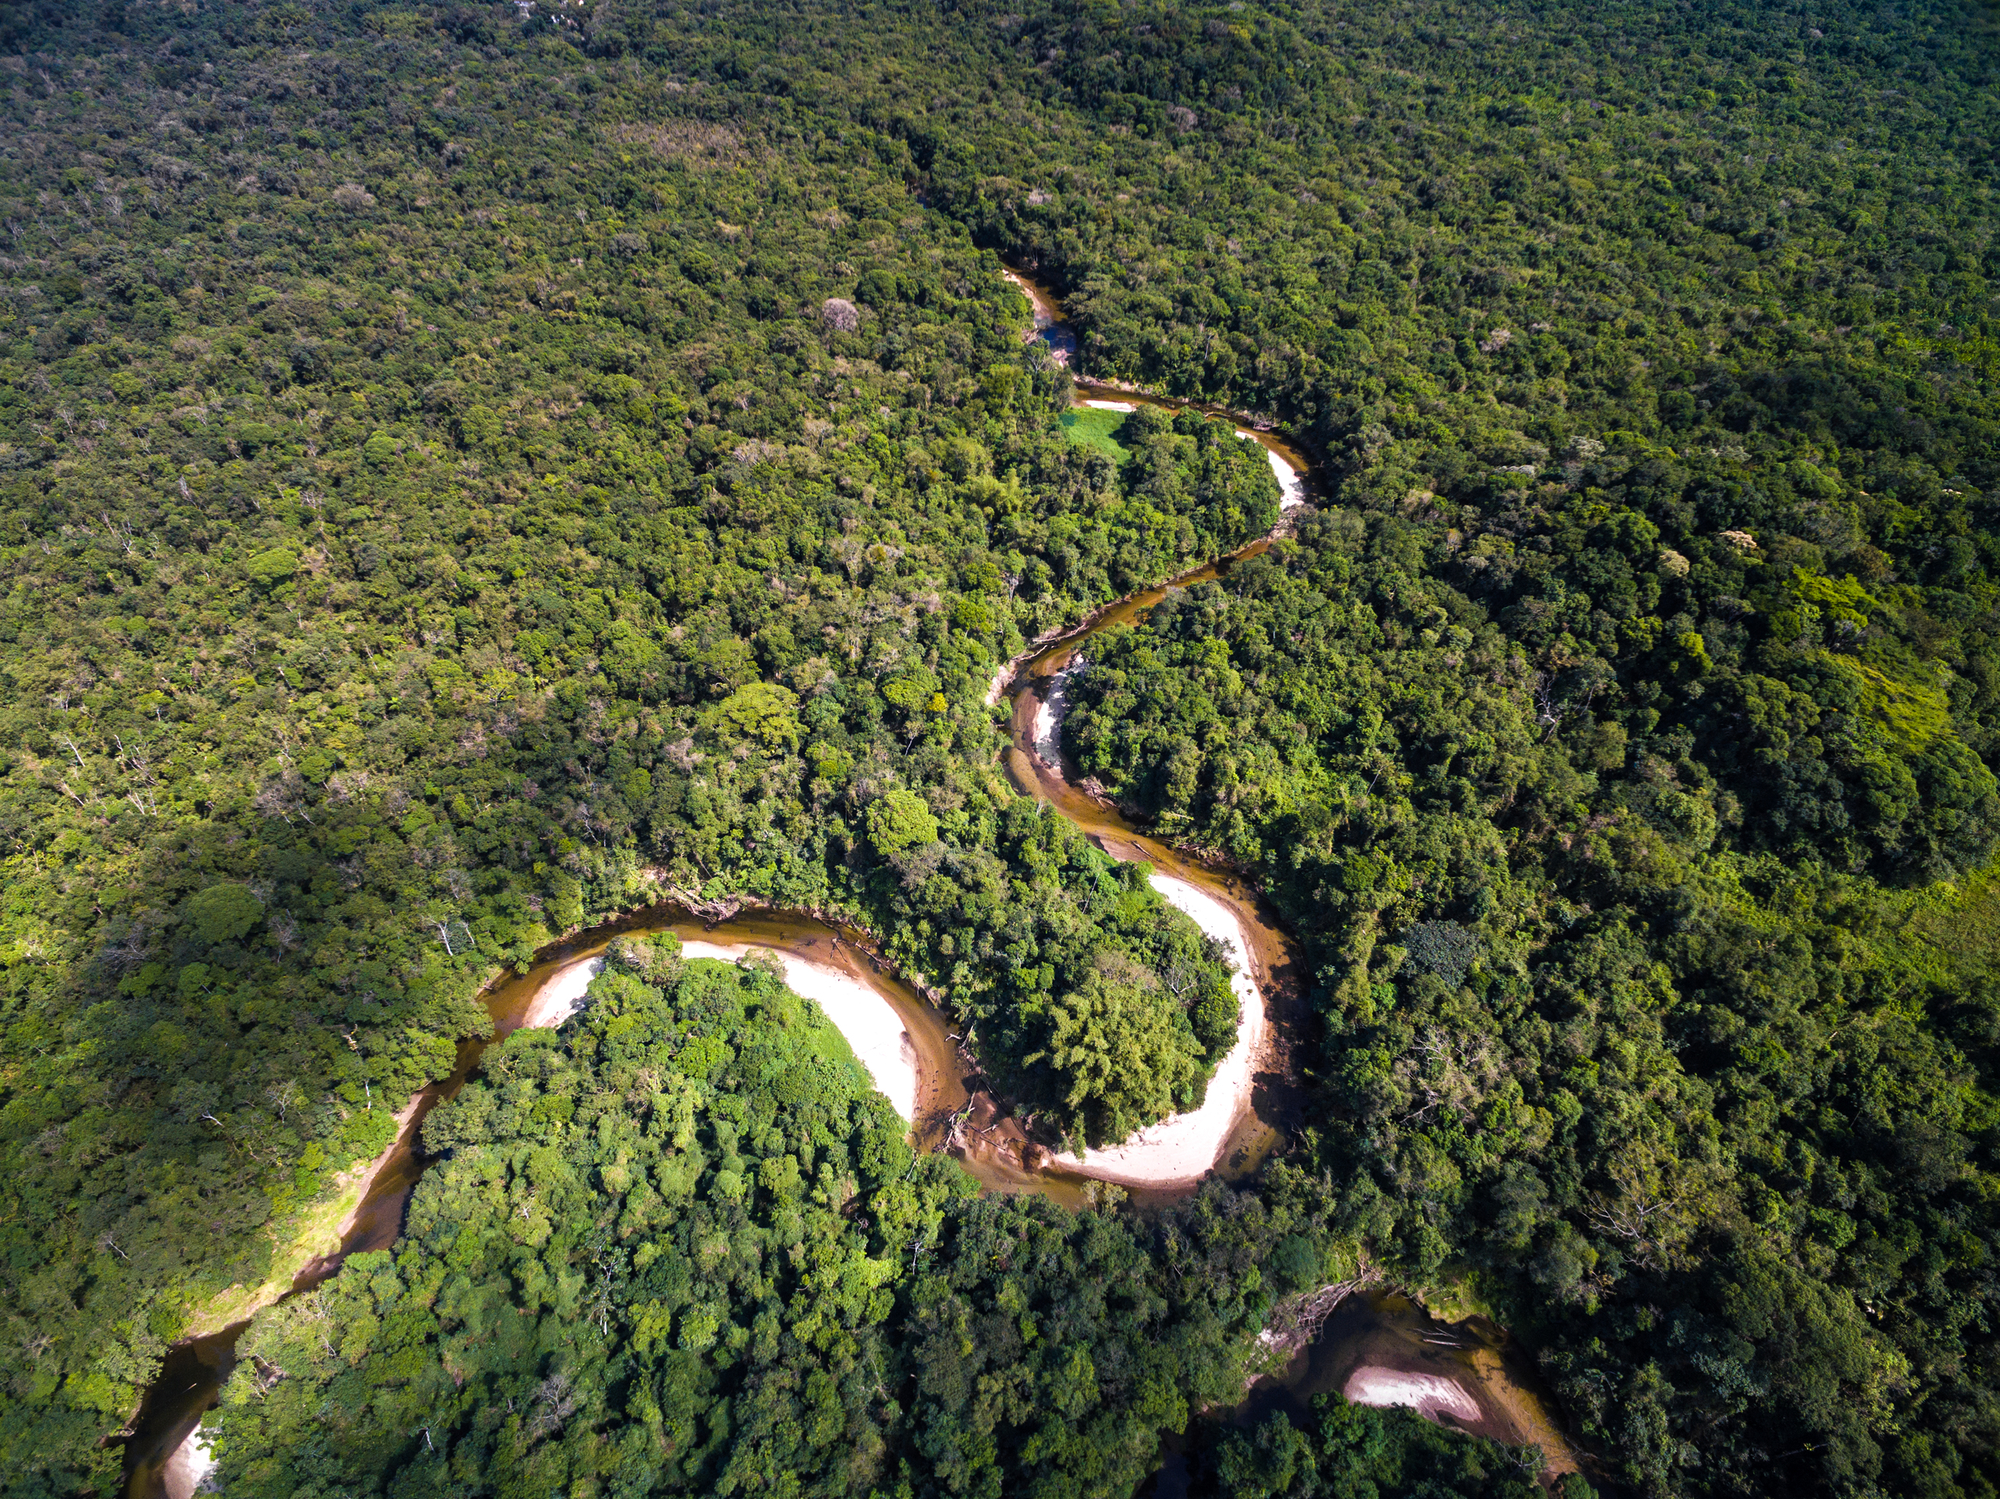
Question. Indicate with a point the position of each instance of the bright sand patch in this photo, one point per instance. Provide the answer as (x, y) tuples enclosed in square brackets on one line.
[(1109, 405), (188, 1465), (1429, 1395), (1184, 1146), (869, 1022), (562, 994), (1291, 486)]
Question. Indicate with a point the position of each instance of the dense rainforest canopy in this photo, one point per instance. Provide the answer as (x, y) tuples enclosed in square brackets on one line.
[(468, 469), (683, 1247)]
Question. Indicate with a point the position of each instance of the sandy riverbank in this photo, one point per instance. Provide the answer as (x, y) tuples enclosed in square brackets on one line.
[(1291, 483), (1183, 1147), (561, 996), (1429, 1395), (869, 1022)]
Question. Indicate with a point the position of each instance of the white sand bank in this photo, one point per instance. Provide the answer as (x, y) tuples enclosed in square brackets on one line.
[(1110, 405), (869, 1022), (1429, 1395), (1184, 1146), (189, 1465), (562, 995), (1291, 484)]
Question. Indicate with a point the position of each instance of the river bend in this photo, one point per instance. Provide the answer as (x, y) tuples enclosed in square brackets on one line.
[(1383, 1350)]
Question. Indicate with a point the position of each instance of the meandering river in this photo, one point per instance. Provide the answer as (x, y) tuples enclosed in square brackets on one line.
[(1378, 1348)]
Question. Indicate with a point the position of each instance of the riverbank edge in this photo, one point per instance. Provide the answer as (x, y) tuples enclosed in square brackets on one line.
[(319, 1230), (327, 1221), (1008, 676)]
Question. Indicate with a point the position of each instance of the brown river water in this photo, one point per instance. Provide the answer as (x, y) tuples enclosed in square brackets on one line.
[(1468, 1374)]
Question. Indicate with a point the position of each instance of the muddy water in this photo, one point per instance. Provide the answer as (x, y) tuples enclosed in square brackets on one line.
[(1035, 767), (1037, 681), (1380, 1348)]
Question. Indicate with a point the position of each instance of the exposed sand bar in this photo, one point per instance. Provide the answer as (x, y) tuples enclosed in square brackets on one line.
[(1178, 1149), (870, 1023), (189, 1465), (561, 996), (1183, 1147), (1429, 1395), (1291, 483)]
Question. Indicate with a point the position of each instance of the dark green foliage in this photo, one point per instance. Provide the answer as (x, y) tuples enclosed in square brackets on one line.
[(681, 1247), (223, 913), (1059, 960), (1353, 1452), (464, 472)]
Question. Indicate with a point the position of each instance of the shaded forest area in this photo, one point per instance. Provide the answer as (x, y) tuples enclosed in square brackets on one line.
[(466, 471)]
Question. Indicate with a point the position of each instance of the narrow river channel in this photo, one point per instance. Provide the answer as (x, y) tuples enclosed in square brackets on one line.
[(1377, 1347)]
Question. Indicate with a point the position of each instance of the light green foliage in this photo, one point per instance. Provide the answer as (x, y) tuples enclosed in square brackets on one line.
[(898, 822), (273, 566), (1119, 1057), (1583, 1036), (763, 713), (1087, 1000), (1098, 430)]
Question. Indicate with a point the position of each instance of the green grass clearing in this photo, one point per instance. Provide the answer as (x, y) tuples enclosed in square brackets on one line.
[(1097, 429)]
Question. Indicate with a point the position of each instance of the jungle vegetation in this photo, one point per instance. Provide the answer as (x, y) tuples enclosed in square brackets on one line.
[(466, 470), (681, 1246)]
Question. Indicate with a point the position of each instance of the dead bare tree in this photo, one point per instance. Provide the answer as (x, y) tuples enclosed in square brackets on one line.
[(1638, 1214)]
